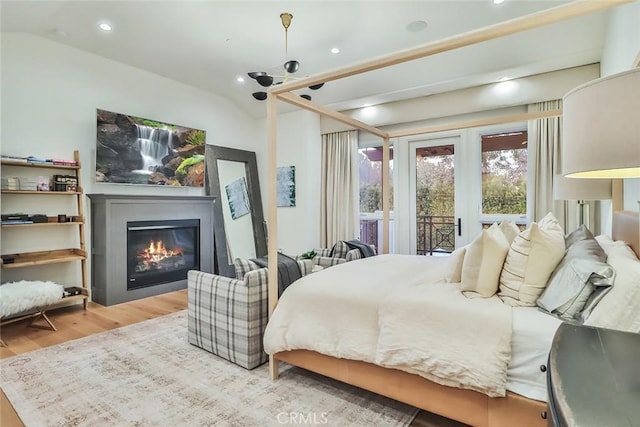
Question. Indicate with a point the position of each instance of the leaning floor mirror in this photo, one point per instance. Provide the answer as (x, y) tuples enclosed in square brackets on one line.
[(239, 231)]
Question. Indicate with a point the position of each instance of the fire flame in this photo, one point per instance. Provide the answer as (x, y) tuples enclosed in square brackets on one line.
[(157, 251)]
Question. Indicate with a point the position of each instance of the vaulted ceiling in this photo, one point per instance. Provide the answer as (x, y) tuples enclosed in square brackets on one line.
[(208, 44)]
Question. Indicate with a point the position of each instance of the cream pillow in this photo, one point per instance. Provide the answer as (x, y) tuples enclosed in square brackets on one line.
[(510, 230), (533, 256), (453, 273), (483, 263)]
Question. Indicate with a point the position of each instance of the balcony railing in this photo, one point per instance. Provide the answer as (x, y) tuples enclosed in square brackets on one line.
[(369, 231), (434, 234)]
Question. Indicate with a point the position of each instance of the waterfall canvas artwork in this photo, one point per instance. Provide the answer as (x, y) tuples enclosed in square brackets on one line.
[(134, 150)]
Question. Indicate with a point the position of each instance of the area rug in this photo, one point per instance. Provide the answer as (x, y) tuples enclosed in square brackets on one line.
[(147, 374)]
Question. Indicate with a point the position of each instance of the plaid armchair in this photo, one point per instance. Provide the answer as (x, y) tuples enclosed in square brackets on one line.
[(338, 254), (227, 316)]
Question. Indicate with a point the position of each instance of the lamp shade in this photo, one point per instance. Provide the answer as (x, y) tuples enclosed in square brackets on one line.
[(601, 128), (581, 189)]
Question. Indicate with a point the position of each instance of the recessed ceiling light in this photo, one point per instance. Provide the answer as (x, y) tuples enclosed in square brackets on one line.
[(240, 79), (498, 1), (105, 27), (369, 111), (505, 88), (335, 50), (415, 26)]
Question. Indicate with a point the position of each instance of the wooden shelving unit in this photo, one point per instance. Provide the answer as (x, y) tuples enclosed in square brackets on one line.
[(53, 256), (51, 221), (27, 259)]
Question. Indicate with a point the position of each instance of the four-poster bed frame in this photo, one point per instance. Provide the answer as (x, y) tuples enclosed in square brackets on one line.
[(463, 405)]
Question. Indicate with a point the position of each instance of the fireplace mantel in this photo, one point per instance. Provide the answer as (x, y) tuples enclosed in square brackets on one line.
[(110, 214)]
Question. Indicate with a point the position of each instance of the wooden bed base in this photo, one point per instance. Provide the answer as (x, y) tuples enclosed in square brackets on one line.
[(466, 406)]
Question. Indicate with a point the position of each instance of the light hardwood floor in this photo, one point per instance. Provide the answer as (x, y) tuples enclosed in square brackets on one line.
[(74, 322)]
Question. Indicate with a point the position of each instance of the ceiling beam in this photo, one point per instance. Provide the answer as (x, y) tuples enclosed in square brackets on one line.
[(312, 106)]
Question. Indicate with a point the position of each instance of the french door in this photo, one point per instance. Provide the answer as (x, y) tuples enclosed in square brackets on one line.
[(435, 199)]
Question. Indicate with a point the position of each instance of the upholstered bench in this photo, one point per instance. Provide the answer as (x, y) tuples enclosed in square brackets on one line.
[(227, 317), (25, 296)]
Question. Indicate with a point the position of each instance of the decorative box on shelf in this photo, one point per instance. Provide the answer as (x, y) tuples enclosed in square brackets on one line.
[(65, 183)]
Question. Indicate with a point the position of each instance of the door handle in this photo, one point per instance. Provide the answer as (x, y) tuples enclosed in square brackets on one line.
[(459, 226)]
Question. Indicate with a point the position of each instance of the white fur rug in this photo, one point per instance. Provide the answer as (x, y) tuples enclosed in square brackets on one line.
[(147, 374), (16, 297)]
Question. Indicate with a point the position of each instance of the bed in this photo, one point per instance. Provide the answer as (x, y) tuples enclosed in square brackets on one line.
[(326, 334), (466, 405)]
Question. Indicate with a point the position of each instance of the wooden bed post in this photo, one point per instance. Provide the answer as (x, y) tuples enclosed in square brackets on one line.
[(385, 195), (272, 215)]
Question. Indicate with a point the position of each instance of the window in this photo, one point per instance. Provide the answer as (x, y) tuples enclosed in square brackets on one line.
[(371, 179), (504, 173), (370, 164)]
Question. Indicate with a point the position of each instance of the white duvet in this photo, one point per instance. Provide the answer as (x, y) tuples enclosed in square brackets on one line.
[(397, 311)]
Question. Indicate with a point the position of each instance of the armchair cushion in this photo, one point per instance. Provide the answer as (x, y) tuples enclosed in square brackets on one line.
[(338, 254), (244, 266), (339, 250)]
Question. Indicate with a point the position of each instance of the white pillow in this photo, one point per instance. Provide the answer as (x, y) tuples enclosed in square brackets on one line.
[(533, 256), (483, 263), (453, 273), (618, 247), (510, 230), (620, 307)]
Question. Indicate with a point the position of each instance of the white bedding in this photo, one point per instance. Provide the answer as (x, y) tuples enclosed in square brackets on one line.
[(335, 312), (533, 332), (380, 310)]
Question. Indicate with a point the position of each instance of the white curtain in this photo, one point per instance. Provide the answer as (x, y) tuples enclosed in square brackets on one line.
[(545, 136), (339, 192)]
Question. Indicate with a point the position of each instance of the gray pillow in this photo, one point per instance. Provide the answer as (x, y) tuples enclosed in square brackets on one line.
[(580, 233), (579, 282)]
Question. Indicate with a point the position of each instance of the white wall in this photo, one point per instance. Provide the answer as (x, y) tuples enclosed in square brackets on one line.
[(299, 140), (50, 93), (622, 52)]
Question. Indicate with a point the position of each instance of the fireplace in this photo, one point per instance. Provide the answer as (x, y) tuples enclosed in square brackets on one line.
[(145, 245), (161, 251)]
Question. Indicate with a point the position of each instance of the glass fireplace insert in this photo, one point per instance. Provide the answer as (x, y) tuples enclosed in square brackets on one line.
[(161, 251)]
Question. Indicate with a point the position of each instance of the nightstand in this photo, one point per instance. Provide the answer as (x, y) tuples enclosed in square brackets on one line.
[(593, 377)]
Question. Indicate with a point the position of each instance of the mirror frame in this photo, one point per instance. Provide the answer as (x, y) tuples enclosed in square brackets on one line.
[(213, 153)]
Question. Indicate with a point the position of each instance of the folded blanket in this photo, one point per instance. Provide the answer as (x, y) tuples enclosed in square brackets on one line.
[(364, 249), (288, 270)]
